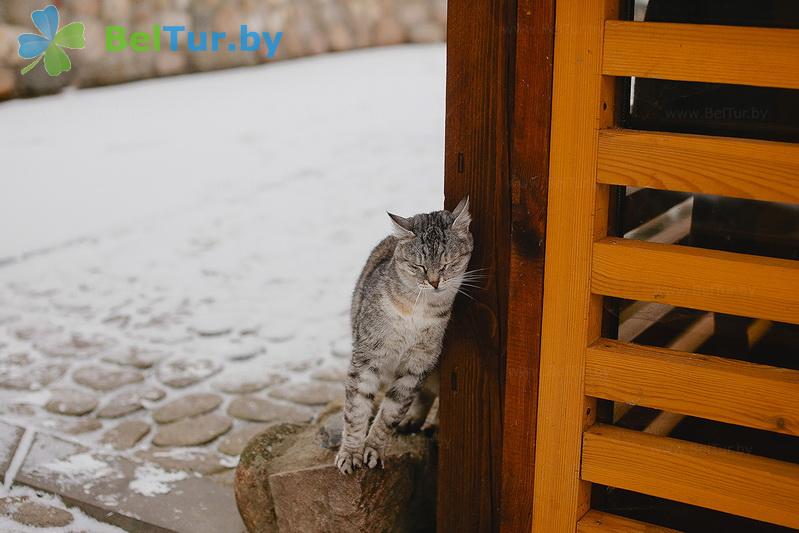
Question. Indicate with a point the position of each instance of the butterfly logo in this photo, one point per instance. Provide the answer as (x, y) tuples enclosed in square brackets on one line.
[(51, 43)]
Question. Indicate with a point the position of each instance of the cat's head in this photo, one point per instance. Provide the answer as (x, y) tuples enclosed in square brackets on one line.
[(434, 249)]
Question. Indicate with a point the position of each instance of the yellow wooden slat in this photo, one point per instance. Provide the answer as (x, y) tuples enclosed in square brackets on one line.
[(599, 522), (765, 57), (726, 390), (742, 168), (738, 284), (724, 480), (577, 215)]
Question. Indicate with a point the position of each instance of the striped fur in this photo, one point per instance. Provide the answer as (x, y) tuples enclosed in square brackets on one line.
[(400, 308)]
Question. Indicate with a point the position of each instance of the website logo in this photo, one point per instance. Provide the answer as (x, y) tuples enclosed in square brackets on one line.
[(117, 39), (51, 43)]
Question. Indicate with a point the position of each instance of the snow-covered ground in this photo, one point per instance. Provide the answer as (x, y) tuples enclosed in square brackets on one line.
[(241, 203)]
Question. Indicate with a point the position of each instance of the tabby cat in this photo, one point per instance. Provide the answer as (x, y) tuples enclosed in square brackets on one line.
[(400, 309)]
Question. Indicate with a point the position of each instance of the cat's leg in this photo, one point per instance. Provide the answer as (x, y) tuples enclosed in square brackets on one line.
[(397, 401), (360, 388), (417, 413)]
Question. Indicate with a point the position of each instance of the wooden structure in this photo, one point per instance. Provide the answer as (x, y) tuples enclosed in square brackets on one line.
[(541, 367)]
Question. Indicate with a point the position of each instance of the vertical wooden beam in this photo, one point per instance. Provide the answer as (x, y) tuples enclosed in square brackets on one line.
[(477, 164), (577, 215), (529, 176)]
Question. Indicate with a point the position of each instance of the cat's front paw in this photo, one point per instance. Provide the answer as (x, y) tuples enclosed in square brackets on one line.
[(348, 461), (411, 423), (372, 457)]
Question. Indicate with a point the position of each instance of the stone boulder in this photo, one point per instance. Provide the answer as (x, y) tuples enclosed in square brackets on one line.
[(286, 482)]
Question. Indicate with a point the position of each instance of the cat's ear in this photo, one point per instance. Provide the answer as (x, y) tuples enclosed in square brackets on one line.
[(403, 227), (462, 216)]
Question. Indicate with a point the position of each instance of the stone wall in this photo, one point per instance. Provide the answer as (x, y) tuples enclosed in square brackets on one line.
[(309, 27)]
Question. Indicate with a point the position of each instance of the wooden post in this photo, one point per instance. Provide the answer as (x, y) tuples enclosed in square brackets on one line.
[(499, 68), (583, 102)]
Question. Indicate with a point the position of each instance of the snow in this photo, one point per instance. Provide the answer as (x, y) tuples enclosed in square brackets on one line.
[(150, 480), (221, 218), (81, 522), (79, 468), (85, 162)]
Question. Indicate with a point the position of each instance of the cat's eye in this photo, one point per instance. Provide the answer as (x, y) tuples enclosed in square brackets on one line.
[(423, 269)]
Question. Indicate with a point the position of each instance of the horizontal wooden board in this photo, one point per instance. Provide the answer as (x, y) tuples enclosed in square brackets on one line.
[(726, 390), (738, 284), (765, 57), (598, 522), (741, 168), (724, 480)]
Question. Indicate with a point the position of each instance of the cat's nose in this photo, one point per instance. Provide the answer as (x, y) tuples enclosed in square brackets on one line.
[(433, 282)]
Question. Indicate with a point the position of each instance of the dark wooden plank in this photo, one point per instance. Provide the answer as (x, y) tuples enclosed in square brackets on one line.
[(472, 364), (529, 173)]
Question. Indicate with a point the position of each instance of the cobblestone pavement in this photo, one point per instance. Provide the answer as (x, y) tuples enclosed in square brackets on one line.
[(136, 363)]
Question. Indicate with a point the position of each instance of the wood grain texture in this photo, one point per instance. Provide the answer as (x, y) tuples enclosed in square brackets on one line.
[(741, 168), (765, 57), (724, 480), (599, 522), (529, 161), (738, 284), (577, 214), (737, 392), (473, 361)]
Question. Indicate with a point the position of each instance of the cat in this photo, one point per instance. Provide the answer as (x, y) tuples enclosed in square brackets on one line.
[(400, 308)]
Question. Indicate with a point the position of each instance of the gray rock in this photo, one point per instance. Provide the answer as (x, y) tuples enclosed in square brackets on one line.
[(335, 374), (19, 409), (34, 514), (302, 365), (126, 434), (13, 361), (8, 51), (243, 350), (251, 486), (105, 379), (82, 8), (330, 431), (34, 378), (203, 462), (428, 32), (314, 393), (307, 493), (413, 12), (141, 358), (8, 83), (77, 426), (183, 371), (342, 348), (35, 331), (115, 11), (248, 384), (388, 32), (128, 402), (234, 442), (262, 410), (75, 346), (192, 431), (71, 402), (19, 11), (186, 406)]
